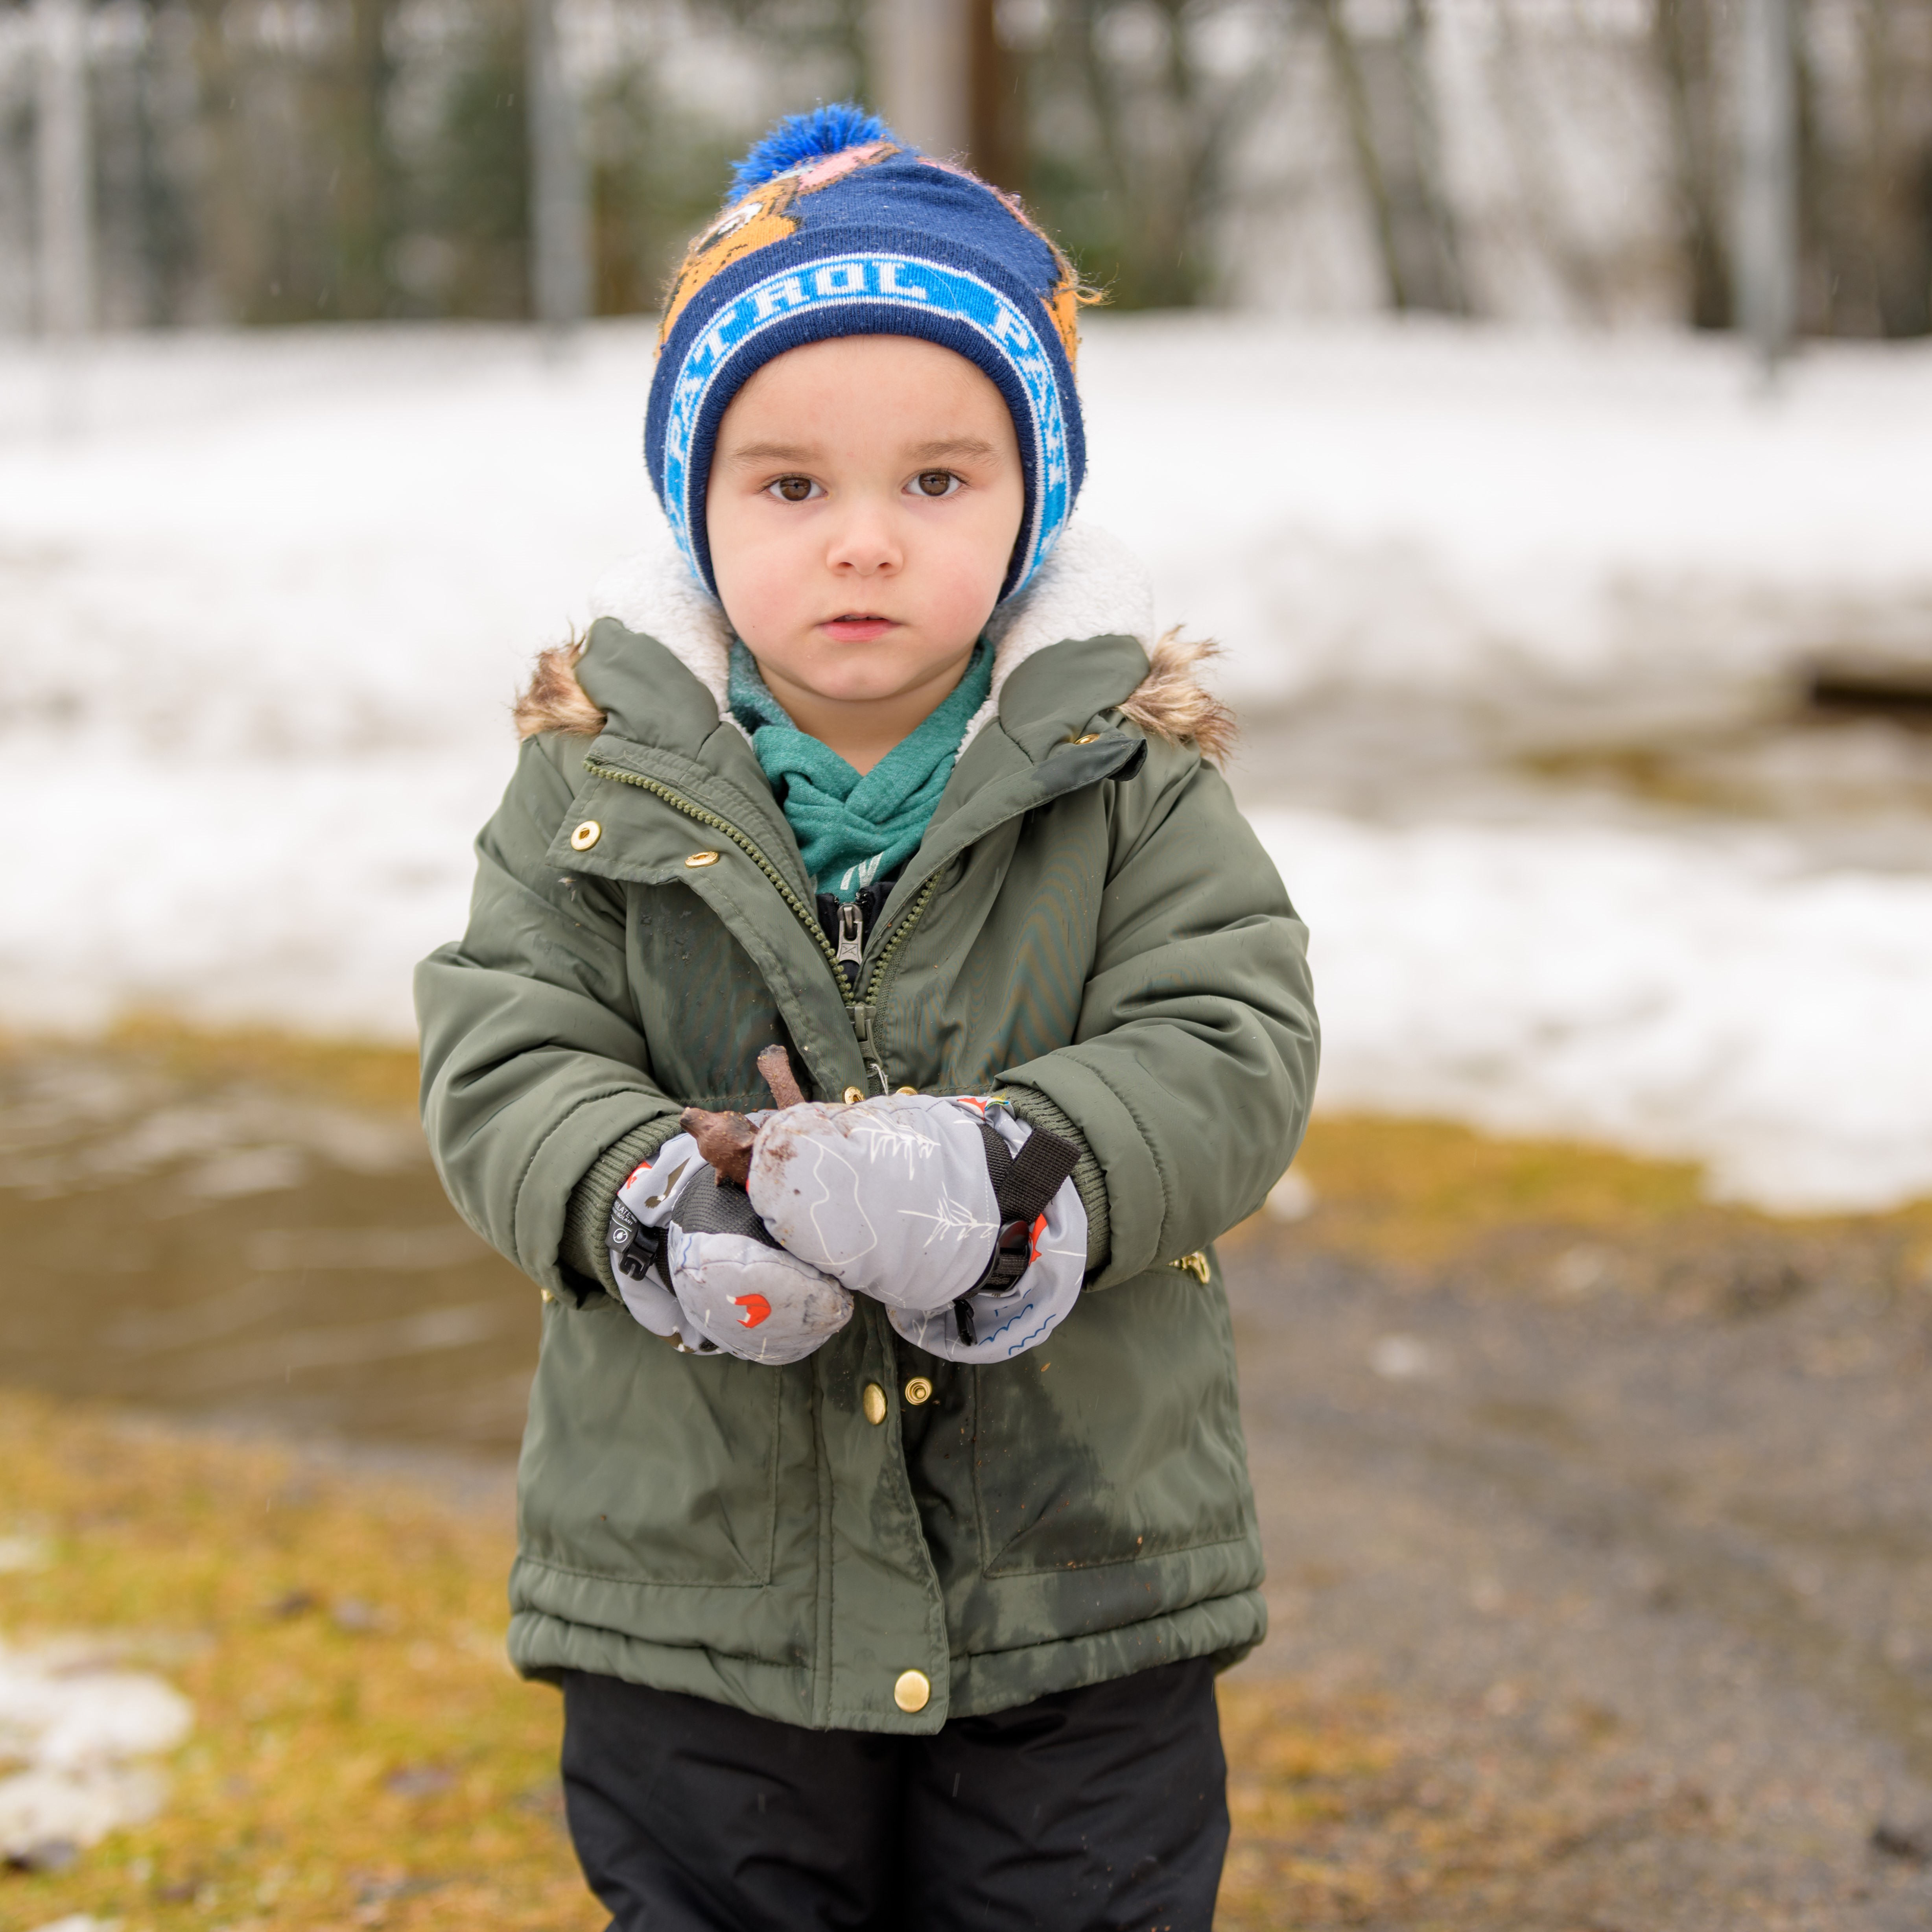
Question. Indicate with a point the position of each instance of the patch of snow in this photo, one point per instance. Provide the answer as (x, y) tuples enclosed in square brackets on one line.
[(80, 1732), (1292, 1197), (1715, 1001), (1403, 1358), (1426, 506), (234, 888)]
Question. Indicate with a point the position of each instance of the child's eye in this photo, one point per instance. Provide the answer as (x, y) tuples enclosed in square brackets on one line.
[(792, 489), (935, 483)]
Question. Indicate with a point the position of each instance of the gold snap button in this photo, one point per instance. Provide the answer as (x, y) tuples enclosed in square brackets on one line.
[(918, 1390), (913, 1691), (699, 860), (586, 835), (548, 1294), (853, 1095), (873, 1402), (1086, 738), (905, 1089)]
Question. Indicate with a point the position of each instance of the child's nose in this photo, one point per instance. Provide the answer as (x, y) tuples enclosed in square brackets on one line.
[(865, 542)]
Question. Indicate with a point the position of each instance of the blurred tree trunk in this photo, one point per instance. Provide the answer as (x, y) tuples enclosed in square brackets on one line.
[(1865, 176), (1682, 34), (1137, 198), (1387, 98), (995, 105), (1438, 241), (1897, 170), (1765, 251), (924, 65), (364, 198), (1353, 95), (1535, 141), (63, 168), (560, 240)]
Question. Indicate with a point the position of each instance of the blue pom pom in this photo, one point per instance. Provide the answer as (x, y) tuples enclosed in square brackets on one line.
[(799, 138)]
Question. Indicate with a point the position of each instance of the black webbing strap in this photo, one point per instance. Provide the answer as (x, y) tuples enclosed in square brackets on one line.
[(1023, 1184)]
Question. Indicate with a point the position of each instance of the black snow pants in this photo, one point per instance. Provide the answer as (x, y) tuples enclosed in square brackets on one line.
[(1100, 1809)]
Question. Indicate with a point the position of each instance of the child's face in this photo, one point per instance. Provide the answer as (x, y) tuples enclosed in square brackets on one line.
[(865, 495)]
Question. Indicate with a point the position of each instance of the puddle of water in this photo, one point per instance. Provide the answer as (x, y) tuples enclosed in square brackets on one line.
[(215, 1247)]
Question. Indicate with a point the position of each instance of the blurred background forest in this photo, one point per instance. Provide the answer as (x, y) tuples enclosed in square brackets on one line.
[(263, 161)]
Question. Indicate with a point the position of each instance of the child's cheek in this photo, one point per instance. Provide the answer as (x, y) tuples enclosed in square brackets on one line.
[(759, 580)]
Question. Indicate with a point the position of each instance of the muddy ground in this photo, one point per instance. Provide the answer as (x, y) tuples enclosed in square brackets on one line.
[(1643, 1567), (1615, 1529)]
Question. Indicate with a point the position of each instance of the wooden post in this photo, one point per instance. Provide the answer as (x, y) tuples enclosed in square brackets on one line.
[(63, 163), (921, 58), (995, 129), (1767, 215), (560, 267)]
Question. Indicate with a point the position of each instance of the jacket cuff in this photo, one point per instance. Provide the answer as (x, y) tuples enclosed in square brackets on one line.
[(585, 1250), (1089, 1182)]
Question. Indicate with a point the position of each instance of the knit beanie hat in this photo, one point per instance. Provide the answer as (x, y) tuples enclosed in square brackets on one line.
[(836, 227)]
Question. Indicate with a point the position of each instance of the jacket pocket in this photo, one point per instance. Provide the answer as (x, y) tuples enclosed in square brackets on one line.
[(1117, 1438), (646, 1465)]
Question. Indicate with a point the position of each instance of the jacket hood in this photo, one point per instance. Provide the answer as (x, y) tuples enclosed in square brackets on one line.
[(1091, 587)]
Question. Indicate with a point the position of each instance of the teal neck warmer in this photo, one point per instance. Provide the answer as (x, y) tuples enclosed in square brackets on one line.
[(852, 829)]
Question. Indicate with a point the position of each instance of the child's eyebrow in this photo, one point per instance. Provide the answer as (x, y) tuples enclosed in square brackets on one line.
[(772, 452), (953, 445)]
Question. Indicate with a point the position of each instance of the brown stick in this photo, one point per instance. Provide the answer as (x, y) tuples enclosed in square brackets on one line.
[(726, 1140), (774, 1064)]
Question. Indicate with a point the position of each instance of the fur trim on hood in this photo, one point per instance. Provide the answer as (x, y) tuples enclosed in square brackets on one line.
[(1090, 586)]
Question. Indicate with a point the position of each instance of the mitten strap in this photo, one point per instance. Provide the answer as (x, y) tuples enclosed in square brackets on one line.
[(1023, 1184)]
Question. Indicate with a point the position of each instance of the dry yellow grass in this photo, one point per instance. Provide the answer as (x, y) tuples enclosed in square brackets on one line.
[(362, 1756), (1421, 1192), (355, 1072), (1413, 1184)]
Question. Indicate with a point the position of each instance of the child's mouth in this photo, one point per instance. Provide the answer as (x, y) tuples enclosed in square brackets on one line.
[(857, 627)]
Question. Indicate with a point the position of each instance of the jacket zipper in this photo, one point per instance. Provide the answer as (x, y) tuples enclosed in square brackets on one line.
[(905, 926), (851, 935), (861, 1010)]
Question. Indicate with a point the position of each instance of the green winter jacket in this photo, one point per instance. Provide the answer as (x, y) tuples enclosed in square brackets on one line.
[(1090, 926)]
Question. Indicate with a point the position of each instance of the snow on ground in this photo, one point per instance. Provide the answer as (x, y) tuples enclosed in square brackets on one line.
[(1430, 507), (1713, 1001), (263, 601), (77, 1738)]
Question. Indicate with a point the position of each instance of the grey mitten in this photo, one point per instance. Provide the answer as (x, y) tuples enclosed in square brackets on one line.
[(935, 1206), (692, 1259)]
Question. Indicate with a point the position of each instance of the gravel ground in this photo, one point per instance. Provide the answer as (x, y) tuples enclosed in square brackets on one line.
[(1638, 1547)]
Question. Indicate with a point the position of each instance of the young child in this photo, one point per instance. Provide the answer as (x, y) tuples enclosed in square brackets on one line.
[(884, 1511)]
